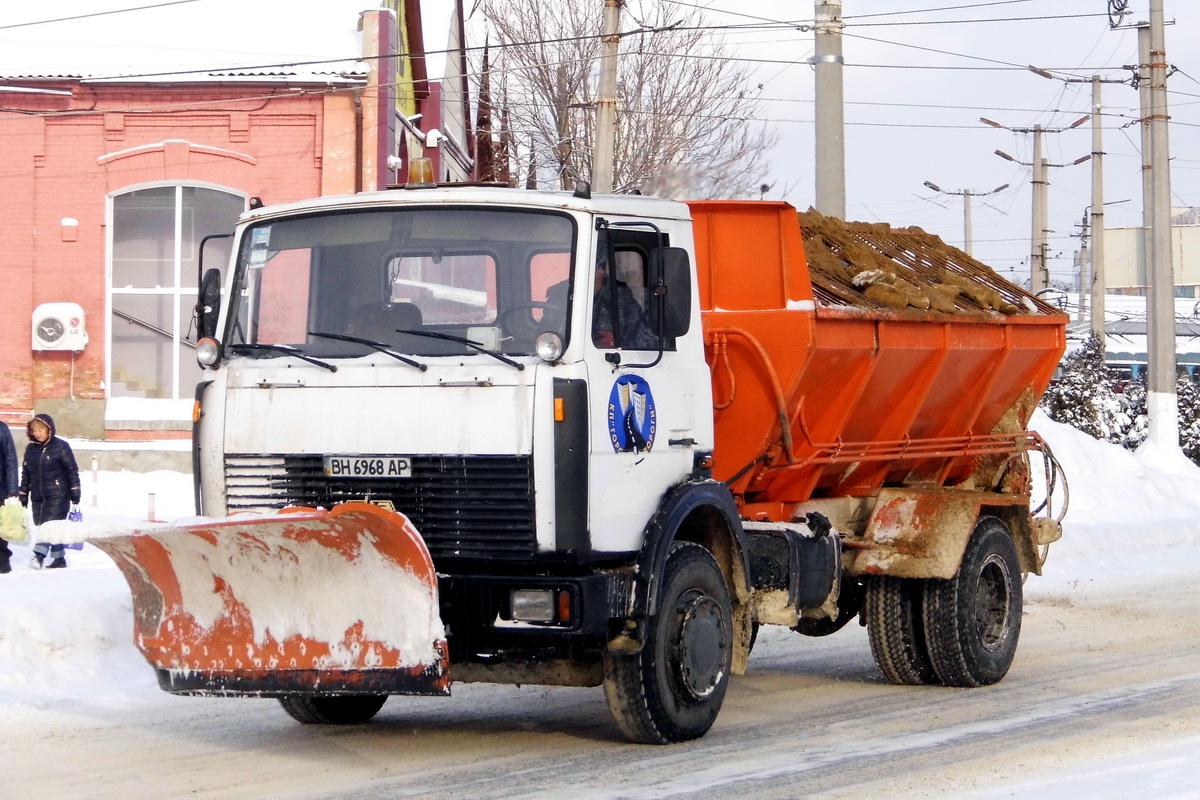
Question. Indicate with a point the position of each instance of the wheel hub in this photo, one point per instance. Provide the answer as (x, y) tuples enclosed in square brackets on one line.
[(701, 646), (992, 603)]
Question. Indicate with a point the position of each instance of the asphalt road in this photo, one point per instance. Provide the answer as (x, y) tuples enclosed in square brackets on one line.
[(1100, 671)]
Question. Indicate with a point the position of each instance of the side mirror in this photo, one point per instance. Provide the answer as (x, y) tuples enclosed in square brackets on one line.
[(670, 291), (208, 305)]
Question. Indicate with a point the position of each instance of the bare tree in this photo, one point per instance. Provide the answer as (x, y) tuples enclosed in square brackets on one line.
[(686, 122)]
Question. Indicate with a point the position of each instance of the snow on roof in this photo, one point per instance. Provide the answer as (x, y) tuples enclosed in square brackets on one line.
[(350, 72)]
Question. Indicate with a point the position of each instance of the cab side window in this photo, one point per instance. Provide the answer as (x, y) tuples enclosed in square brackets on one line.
[(620, 287)]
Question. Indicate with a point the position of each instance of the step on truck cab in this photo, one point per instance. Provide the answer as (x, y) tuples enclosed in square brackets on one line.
[(473, 433)]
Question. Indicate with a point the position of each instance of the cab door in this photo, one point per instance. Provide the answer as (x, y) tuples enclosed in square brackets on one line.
[(648, 395)]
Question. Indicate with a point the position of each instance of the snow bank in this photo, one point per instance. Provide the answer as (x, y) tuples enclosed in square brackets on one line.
[(1129, 514), (69, 633)]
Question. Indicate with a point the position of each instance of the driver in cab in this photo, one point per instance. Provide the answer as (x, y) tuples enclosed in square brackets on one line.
[(630, 322)]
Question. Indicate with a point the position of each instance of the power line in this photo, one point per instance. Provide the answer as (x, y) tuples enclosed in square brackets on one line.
[(969, 21), (183, 107), (1002, 65), (1008, 64), (808, 22), (805, 25), (96, 14), (942, 8)]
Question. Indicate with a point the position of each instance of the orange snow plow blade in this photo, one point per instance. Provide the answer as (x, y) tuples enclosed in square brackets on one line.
[(314, 602)]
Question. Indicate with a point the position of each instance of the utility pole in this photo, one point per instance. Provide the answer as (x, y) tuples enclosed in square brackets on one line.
[(966, 195), (1117, 11), (1084, 262), (606, 102), (1092, 229), (1143, 85), (1039, 265), (1162, 409), (827, 64), (1098, 284)]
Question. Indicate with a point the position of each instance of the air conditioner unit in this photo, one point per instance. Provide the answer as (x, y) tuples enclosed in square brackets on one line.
[(59, 326)]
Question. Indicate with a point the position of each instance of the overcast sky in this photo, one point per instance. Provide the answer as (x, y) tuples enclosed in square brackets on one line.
[(916, 85)]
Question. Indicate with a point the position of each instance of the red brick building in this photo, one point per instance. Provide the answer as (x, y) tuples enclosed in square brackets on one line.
[(110, 185)]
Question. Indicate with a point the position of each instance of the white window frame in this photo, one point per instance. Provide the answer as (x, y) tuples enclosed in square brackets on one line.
[(143, 409)]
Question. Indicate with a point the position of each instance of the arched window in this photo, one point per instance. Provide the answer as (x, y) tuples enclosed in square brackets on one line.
[(156, 234)]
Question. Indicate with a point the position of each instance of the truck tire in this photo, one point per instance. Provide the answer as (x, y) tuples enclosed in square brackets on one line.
[(671, 690), (892, 613), (973, 620), (339, 710)]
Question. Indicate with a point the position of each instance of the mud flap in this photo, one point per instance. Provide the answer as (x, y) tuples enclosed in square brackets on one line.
[(315, 602)]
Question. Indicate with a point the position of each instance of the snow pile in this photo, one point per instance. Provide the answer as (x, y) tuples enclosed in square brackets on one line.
[(291, 584), (1129, 514), (69, 633)]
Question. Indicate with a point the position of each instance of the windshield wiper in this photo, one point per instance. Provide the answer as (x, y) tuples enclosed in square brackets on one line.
[(380, 346), (286, 349), (468, 342)]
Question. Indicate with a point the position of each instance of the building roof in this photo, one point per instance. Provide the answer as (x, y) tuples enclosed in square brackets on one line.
[(350, 72), (216, 40)]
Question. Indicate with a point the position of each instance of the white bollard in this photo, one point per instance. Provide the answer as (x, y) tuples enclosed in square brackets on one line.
[(150, 510), (95, 480)]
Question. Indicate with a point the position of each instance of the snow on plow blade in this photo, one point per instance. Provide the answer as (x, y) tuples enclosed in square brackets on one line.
[(313, 602)]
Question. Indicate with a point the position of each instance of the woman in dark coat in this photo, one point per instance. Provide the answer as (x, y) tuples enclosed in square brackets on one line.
[(50, 479), (8, 485)]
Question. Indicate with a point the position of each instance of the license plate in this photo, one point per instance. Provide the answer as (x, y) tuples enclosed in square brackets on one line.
[(367, 467)]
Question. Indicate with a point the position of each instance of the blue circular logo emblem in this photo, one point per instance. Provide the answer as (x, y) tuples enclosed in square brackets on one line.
[(632, 419)]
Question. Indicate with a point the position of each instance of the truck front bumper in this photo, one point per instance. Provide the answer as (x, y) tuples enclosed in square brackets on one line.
[(555, 617)]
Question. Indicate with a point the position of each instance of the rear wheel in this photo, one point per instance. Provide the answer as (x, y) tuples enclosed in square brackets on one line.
[(338, 710), (892, 613), (973, 620), (671, 690)]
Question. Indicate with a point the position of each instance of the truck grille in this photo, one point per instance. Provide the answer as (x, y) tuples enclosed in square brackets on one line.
[(478, 507)]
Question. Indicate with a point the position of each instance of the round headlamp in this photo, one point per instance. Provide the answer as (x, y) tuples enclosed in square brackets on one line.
[(549, 346), (208, 352)]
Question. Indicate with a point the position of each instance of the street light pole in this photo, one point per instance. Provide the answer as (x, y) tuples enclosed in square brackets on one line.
[(1144, 81), (1092, 231), (1117, 11), (1098, 283), (966, 195), (1039, 266)]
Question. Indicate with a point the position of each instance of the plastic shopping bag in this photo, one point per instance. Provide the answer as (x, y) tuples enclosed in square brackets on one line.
[(12, 522), (75, 515)]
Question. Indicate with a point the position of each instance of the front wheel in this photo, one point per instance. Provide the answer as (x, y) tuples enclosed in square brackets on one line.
[(973, 620), (672, 689), (337, 710)]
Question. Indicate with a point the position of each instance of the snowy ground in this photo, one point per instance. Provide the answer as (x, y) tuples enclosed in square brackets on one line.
[(1134, 519)]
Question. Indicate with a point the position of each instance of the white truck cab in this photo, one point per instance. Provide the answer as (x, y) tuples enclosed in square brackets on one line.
[(441, 349)]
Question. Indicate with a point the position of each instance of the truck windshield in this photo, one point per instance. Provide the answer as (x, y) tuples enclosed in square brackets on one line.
[(496, 278)]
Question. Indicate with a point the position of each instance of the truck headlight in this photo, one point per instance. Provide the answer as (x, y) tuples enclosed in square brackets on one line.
[(549, 346), (208, 352), (533, 605)]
